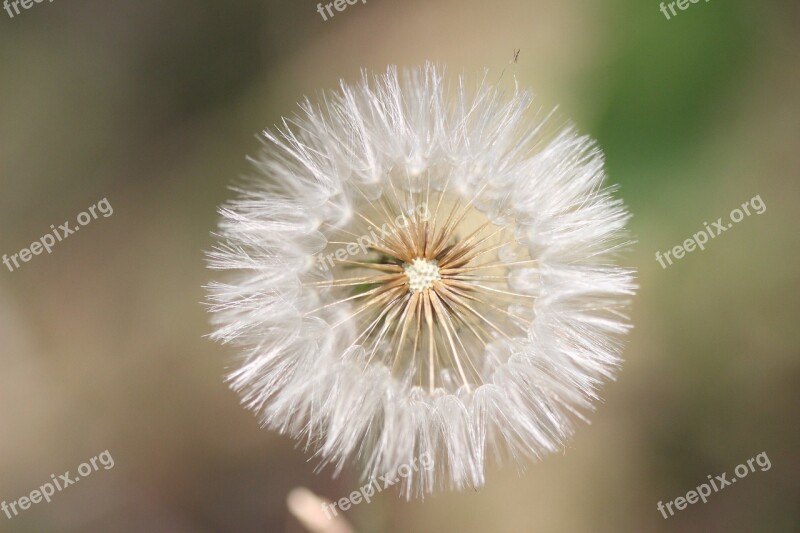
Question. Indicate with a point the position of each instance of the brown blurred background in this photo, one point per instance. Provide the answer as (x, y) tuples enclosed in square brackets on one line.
[(155, 104)]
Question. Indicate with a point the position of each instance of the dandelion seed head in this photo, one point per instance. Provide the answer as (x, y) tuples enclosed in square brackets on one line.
[(423, 271)]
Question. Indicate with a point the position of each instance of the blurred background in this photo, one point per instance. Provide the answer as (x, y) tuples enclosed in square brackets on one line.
[(154, 105)]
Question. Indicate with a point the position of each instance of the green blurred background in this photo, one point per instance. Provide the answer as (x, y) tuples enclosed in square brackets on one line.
[(155, 104)]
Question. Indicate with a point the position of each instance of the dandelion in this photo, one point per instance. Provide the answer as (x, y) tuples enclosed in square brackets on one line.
[(473, 303)]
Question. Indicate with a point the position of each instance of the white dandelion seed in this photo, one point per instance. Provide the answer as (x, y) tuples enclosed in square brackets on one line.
[(423, 274)]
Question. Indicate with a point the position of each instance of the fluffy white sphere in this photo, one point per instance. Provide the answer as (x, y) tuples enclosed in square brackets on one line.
[(423, 270)]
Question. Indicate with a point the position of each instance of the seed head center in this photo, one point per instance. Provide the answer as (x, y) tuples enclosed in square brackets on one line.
[(421, 274)]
